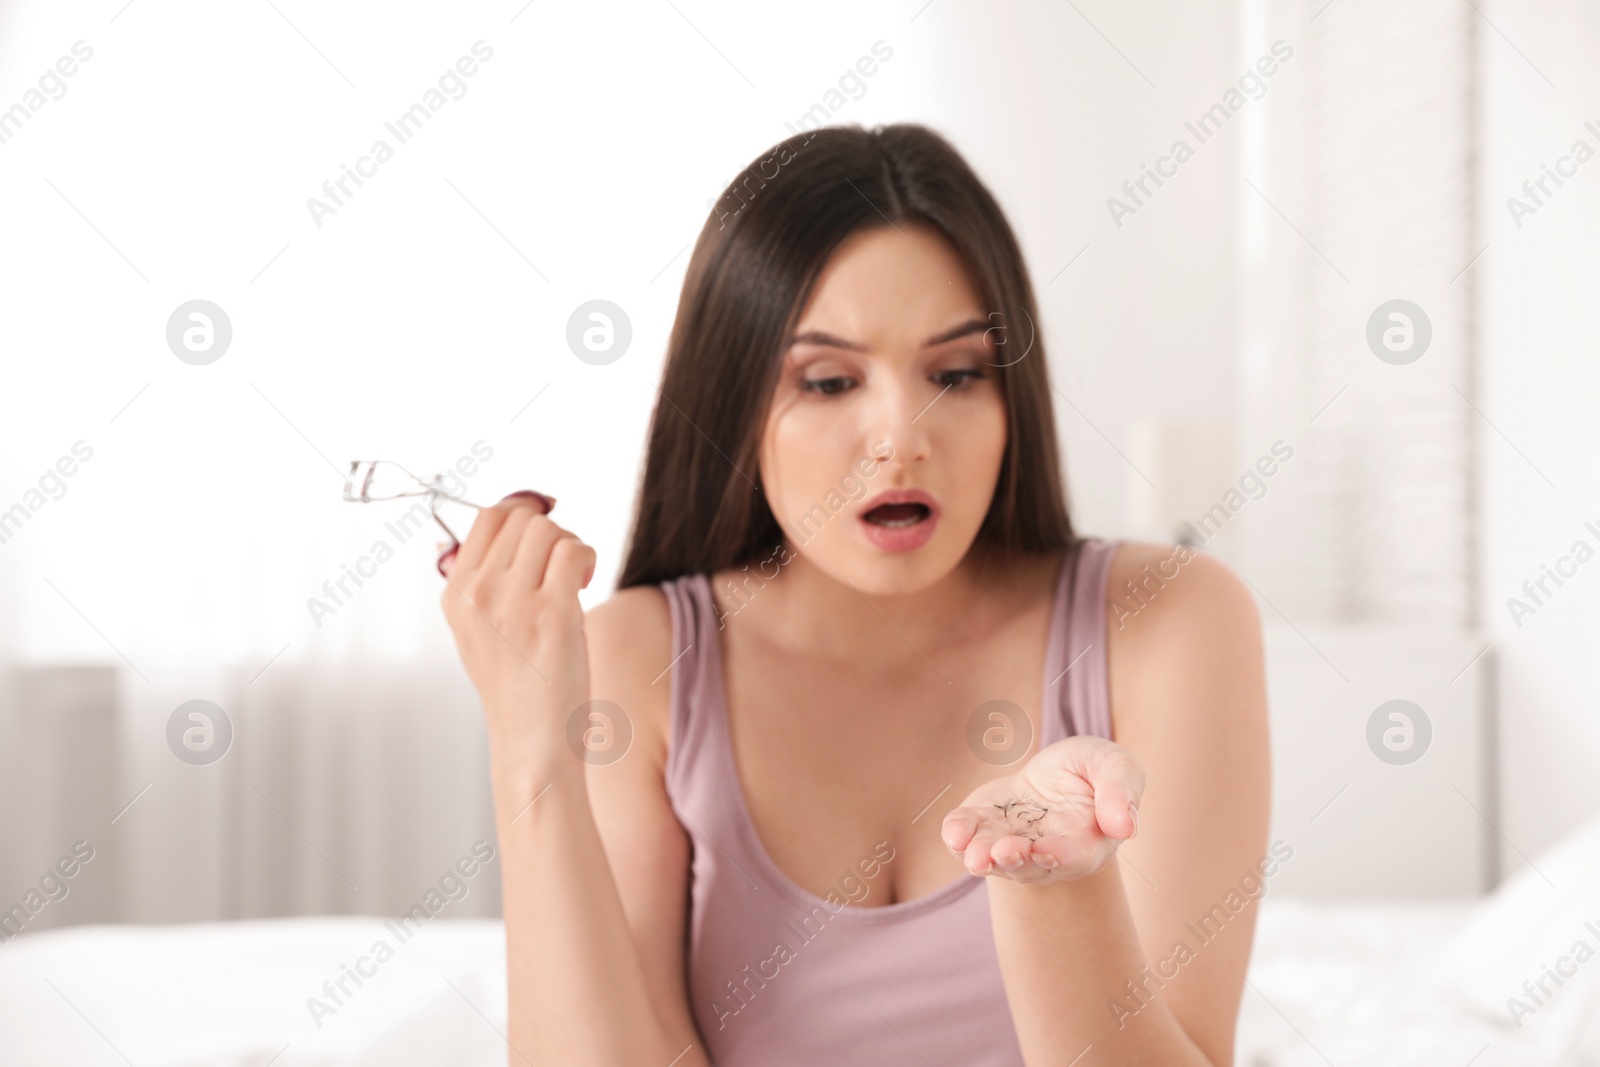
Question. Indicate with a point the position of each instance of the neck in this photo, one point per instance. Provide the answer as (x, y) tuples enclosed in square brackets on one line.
[(802, 605)]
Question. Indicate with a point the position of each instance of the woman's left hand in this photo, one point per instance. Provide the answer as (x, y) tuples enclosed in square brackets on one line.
[(1060, 816)]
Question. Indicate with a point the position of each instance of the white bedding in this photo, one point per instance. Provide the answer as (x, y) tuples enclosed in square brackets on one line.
[(1429, 984), (234, 995), (1359, 985)]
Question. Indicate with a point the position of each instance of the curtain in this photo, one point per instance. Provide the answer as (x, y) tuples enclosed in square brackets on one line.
[(1358, 191)]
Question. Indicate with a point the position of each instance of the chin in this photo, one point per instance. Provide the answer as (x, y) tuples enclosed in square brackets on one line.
[(880, 573)]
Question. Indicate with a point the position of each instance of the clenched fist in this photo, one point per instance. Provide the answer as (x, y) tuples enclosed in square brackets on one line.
[(511, 600)]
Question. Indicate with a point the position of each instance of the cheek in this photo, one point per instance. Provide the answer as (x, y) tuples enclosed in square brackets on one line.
[(803, 456), (976, 445), (971, 448)]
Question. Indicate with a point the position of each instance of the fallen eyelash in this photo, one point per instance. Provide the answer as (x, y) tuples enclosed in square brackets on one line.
[(1005, 810)]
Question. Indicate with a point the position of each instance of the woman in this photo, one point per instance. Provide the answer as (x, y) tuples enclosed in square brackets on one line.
[(877, 760)]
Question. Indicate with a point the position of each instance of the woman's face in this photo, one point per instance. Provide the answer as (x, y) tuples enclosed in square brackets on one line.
[(888, 390)]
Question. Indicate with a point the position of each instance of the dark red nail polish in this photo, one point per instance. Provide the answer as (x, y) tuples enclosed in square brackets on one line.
[(548, 502)]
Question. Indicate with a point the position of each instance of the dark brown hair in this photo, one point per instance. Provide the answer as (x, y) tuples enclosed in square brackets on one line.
[(700, 507)]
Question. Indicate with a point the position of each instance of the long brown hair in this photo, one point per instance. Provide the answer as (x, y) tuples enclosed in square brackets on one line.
[(700, 507)]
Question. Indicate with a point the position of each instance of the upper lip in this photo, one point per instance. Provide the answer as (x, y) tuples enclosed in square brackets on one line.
[(902, 496)]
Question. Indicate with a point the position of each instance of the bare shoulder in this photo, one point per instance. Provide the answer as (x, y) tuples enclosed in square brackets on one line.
[(1177, 617), (634, 622), (1171, 589), (629, 638)]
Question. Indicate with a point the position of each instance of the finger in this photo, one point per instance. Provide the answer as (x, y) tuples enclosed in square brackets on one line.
[(976, 857), (484, 527), (1049, 853), (546, 503), (1118, 784), (570, 567), (1011, 852), (533, 552), (483, 531), (980, 856), (508, 543), (958, 828)]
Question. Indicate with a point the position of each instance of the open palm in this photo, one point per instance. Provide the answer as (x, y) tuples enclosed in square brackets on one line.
[(1060, 816)]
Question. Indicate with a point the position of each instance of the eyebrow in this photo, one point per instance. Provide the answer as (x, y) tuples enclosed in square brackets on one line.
[(821, 337)]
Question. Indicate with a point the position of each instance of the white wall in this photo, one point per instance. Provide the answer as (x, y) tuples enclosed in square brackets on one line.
[(410, 326), (430, 309), (1143, 324), (1541, 383), (427, 312)]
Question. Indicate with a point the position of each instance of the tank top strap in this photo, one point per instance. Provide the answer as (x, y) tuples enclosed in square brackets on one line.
[(697, 727), (1076, 671)]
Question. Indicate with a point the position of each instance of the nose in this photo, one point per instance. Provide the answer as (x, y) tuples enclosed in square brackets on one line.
[(902, 415)]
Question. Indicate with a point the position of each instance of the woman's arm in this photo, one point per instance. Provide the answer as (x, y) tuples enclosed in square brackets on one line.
[(1143, 961), (579, 992), (630, 645)]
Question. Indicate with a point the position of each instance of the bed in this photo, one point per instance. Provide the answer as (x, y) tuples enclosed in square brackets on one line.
[(1418, 983)]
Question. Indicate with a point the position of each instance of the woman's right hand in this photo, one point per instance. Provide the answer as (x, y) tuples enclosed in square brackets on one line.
[(512, 603)]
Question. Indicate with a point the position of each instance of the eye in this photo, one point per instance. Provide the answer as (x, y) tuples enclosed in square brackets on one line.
[(958, 378), (826, 386)]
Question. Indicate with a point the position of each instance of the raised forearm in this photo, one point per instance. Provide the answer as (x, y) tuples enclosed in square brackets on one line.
[(1066, 951), (577, 989), (576, 986)]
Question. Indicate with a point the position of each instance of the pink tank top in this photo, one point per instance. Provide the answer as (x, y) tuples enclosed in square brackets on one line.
[(778, 977)]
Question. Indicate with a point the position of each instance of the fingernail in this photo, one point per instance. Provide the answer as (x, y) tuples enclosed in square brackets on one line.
[(1133, 813), (1045, 860), (549, 502), (1012, 862), (447, 560)]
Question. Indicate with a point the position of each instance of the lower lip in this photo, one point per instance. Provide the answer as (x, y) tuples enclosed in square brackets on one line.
[(902, 538)]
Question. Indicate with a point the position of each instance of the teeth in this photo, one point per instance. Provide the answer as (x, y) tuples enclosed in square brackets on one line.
[(900, 517)]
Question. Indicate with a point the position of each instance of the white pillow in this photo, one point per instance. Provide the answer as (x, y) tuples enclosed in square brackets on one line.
[(1522, 933)]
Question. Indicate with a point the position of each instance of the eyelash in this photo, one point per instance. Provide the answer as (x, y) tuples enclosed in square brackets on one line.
[(963, 376)]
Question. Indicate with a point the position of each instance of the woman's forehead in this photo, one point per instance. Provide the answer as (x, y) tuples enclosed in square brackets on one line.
[(904, 286)]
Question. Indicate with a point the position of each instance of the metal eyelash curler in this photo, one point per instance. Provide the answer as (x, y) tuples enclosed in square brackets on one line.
[(373, 480)]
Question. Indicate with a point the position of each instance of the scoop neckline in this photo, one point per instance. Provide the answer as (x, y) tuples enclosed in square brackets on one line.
[(745, 824)]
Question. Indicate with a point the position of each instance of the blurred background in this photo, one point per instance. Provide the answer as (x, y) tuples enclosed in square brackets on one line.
[(1354, 238)]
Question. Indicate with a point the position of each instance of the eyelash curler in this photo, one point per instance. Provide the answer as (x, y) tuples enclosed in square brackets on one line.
[(374, 480)]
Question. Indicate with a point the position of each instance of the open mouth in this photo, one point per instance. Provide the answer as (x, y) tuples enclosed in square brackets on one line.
[(897, 516)]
